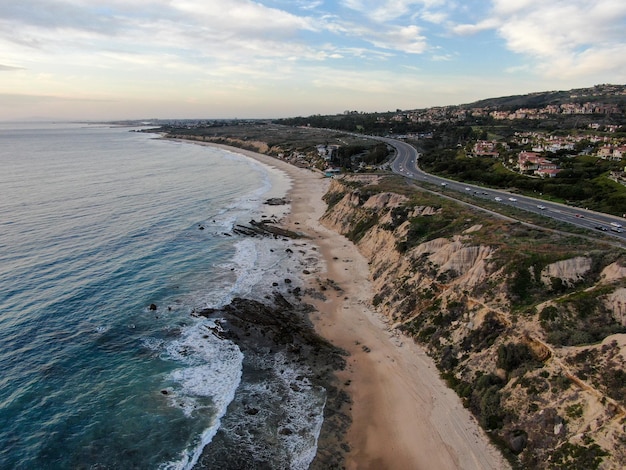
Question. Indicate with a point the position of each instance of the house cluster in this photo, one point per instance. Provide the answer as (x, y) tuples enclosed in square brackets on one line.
[(327, 152), (487, 148), (605, 127), (612, 152), (604, 147), (533, 163), (525, 162), (435, 115), (543, 142), (460, 113), (447, 114), (546, 111)]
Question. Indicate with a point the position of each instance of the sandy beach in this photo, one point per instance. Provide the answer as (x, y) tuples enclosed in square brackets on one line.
[(403, 414)]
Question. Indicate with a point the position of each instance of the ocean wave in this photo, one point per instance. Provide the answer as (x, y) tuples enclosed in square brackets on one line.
[(278, 414), (205, 384)]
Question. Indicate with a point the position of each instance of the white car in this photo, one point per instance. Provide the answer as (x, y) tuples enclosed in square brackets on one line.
[(543, 208), (512, 199), (498, 199), (467, 189)]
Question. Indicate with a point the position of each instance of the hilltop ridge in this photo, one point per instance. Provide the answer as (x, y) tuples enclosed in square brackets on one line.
[(606, 92)]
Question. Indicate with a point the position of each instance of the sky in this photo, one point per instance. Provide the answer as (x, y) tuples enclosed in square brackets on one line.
[(172, 59)]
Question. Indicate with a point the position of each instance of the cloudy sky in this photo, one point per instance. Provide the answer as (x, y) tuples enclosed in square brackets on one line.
[(116, 59)]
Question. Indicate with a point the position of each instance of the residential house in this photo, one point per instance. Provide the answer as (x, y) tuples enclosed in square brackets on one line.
[(485, 148), (533, 162)]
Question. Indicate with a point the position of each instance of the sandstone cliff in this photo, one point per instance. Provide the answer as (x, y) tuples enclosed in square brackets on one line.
[(527, 326)]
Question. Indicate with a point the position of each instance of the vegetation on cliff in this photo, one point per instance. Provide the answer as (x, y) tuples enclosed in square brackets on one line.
[(526, 325)]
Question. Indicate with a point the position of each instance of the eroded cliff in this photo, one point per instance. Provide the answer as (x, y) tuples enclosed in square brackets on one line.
[(526, 325)]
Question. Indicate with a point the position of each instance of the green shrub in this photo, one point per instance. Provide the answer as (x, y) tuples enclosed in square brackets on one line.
[(361, 227), (576, 457), (332, 199), (574, 411), (513, 355)]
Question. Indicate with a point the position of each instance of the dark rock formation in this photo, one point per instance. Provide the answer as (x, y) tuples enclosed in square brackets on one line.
[(265, 228), (276, 201), (280, 329)]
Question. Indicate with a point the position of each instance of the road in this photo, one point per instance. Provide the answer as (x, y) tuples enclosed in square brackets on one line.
[(406, 164)]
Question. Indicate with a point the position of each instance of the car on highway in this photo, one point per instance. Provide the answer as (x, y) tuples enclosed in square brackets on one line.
[(512, 199), (601, 227), (580, 216), (498, 199), (541, 207)]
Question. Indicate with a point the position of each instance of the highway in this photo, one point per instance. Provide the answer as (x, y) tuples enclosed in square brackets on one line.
[(406, 164)]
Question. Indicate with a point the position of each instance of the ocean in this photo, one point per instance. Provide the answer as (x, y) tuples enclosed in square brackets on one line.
[(97, 223)]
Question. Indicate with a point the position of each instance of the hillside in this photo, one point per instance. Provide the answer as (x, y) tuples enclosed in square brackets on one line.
[(602, 93), (527, 326)]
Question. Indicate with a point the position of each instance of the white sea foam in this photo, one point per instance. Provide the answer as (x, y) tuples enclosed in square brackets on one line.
[(305, 414), (213, 367), (288, 414), (257, 264), (275, 183), (205, 384), (153, 344)]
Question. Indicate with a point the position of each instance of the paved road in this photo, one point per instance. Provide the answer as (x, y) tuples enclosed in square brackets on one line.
[(406, 163)]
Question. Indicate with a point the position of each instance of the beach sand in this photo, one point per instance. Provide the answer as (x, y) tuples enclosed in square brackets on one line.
[(403, 415)]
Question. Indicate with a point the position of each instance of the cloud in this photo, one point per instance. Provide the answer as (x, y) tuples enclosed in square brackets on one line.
[(568, 38), (54, 14), (442, 57), (35, 20), (202, 32), (153, 35), (243, 16), (436, 17), (387, 10), (18, 99), (403, 38), (309, 5), (470, 29), (9, 68)]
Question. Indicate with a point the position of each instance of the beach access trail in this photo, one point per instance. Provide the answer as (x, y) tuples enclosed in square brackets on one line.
[(403, 414)]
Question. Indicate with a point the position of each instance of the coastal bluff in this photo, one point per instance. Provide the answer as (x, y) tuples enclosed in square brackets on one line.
[(525, 325)]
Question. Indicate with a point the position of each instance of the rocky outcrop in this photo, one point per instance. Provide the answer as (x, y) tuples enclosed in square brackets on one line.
[(284, 362), (468, 264), (514, 317), (613, 272), (264, 228), (616, 303), (570, 270), (384, 201)]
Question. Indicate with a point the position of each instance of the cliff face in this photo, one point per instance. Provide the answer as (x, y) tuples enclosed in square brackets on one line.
[(526, 326)]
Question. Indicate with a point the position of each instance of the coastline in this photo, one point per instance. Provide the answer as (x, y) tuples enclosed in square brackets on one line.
[(403, 414)]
